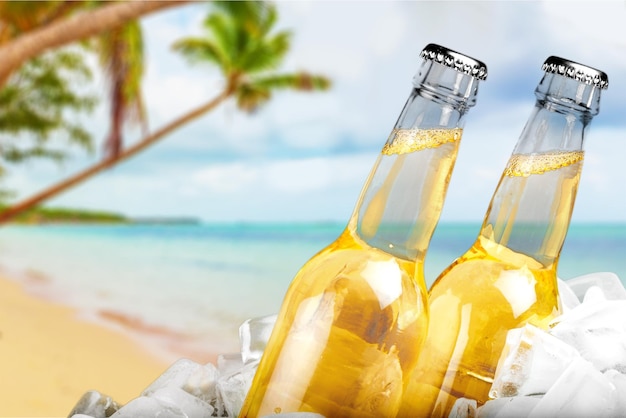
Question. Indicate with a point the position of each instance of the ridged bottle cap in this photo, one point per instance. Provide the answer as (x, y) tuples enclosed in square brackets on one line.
[(576, 71), (460, 62)]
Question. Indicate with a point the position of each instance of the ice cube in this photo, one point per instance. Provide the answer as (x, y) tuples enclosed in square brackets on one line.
[(232, 389), (253, 335), (201, 383), (618, 380), (228, 363), (514, 407), (176, 375), (463, 408), (95, 404), (581, 391), (609, 283), (531, 361), (191, 406), (147, 407), (597, 329), (594, 295), (569, 299), (81, 416)]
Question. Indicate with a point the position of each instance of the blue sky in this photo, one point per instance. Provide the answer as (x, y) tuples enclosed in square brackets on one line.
[(306, 156)]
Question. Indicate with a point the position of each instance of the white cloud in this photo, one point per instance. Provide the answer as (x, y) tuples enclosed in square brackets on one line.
[(585, 29), (306, 121), (301, 176), (298, 177), (601, 192), (230, 178), (282, 177), (170, 96), (389, 31)]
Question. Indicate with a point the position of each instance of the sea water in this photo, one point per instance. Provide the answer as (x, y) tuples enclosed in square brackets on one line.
[(188, 287)]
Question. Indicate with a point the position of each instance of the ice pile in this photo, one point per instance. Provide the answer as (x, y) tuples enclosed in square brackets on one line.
[(191, 390), (575, 369)]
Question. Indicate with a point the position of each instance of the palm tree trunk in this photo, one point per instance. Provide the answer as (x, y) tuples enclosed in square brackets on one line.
[(79, 26), (81, 176)]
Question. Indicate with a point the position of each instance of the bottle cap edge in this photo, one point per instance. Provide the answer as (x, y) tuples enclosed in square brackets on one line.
[(580, 72), (455, 60)]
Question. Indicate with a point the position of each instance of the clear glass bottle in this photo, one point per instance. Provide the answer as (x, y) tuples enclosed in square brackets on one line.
[(354, 317), (508, 277)]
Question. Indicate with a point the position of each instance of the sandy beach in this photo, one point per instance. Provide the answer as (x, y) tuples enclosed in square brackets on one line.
[(49, 357)]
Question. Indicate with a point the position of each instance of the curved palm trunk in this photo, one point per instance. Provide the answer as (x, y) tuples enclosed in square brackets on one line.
[(80, 26), (81, 176)]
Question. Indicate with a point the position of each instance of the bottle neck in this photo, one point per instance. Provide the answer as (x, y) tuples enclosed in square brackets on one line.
[(402, 199), (532, 206)]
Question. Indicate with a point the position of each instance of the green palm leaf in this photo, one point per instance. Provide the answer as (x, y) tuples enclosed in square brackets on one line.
[(301, 81), (199, 50), (224, 37), (253, 94), (250, 97), (267, 55), (34, 107), (241, 40), (121, 53)]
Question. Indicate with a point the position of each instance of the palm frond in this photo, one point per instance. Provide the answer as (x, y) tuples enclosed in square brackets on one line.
[(250, 97), (198, 50), (222, 32), (14, 154), (269, 19), (121, 53), (134, 58), (301, 81), (242, 10), (266, 55), (41, 102)]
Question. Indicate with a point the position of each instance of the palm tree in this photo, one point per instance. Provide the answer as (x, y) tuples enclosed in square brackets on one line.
[(119, 47), (121, 55), (39, 108), (241, 41), (61, 28), (37, 100)]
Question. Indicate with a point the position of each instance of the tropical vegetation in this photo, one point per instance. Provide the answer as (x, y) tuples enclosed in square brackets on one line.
[(35, 107), (45, 91), (241, 40), (68, 215)]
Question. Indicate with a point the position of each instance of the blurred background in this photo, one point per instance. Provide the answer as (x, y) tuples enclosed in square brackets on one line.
[(258, 138), (304, 156)]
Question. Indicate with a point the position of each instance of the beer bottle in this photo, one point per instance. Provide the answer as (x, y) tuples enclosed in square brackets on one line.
[(354, 317), (508, 277)]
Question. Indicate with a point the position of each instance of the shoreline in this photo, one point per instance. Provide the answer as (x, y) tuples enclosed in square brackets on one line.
[(50, 355)]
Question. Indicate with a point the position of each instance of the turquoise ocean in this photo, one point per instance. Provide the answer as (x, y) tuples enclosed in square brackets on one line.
[(185, 289)]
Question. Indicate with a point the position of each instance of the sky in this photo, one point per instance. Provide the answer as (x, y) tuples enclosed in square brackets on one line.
[(306, 156)]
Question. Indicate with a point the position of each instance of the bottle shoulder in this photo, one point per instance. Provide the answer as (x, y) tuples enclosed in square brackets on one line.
[(349, 264), (490, 275), (489, 264), (347, 254)]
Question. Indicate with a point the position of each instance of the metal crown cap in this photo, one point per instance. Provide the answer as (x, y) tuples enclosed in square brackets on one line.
[(576, 71), (459, 62)]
